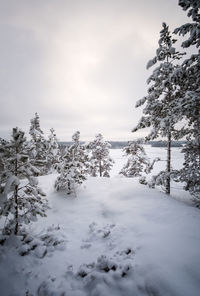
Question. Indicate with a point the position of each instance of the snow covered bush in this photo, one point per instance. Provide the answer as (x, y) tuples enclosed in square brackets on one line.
[(105, 276), (105, 265), (22, 200), (160, 100), (100, 160), (143, 180), (74, 167), (39, 245)]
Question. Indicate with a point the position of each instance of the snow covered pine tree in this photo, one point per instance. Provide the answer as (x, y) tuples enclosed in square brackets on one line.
[(100, 160), (22, 200), (160, 99), (187, 77), (74, 168), (53, 152), (38, 146), (138, 162)]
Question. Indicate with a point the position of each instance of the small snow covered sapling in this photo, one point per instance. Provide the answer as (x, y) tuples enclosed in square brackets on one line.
[(53, 152), (22, 198), (100, 160), (138, 162), (38, 146), (74, 168)]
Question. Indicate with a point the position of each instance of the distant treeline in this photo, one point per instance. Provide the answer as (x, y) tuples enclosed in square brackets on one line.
[(122, 144), (114, 144), (164, 143)]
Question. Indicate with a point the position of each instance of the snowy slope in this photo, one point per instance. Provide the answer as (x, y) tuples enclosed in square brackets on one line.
[(116, 237)]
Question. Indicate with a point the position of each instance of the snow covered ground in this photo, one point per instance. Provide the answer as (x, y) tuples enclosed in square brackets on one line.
[(177, 160), (117, 237)]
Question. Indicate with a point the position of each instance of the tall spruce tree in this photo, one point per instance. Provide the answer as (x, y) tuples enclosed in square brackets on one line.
[(74, 167), (187, 77), (158, 112), (38, 145), (22, 200), (100, 160)]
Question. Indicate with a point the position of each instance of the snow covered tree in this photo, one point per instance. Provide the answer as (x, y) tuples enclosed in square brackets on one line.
[(38, 145), (22, 200), (138, 162), (187, 77), (190, 173), (53, 152), (100, 160), (74, 168), (158, 112), (3, 143)]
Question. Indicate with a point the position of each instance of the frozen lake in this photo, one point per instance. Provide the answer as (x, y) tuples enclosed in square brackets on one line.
[(152, 153)]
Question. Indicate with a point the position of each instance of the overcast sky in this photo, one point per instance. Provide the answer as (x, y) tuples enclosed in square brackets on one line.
[(81, 64)]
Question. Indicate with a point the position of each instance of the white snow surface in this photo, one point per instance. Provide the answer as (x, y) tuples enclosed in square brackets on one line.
[(116, 237)]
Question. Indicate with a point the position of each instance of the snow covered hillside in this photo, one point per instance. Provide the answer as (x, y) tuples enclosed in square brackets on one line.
[(116, 237)]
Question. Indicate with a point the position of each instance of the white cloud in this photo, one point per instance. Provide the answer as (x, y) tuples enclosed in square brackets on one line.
[(79, 64)]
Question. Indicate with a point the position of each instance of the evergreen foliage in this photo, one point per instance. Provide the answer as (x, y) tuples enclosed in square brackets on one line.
[(74, 167), (53, 152), (187, 77), (38, 146), (158, 111), (138, 162), (21, 200), (100, 160), (3, 143)]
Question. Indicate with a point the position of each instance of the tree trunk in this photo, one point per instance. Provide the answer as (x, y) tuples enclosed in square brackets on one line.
[(16, 197), (100, 169), (168, 163), (69, 187), (16, 209), (198, 137)]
